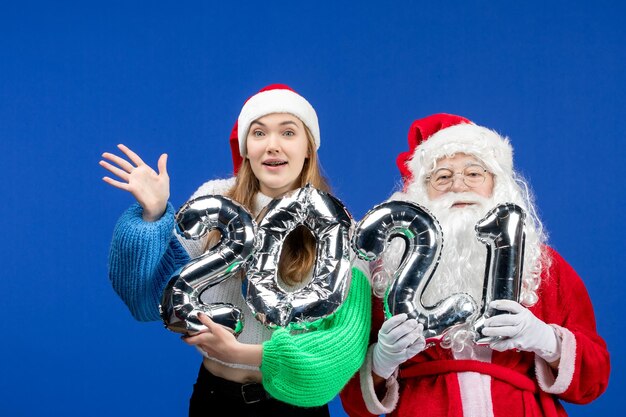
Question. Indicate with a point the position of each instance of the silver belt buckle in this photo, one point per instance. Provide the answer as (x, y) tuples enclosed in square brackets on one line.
[(254, 394)]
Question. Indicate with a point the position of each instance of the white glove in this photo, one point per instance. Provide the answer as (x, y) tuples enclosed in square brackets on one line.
[(522, 330), (399, 339)]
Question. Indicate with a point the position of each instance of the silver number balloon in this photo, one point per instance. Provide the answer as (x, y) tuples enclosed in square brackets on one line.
[(423, 238), (502, 230), (329, 222), (181, 301)]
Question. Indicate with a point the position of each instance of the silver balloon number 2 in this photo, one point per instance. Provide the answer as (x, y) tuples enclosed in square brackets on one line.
[(181, 301), (422, 235), (329, 222), (502, 230)]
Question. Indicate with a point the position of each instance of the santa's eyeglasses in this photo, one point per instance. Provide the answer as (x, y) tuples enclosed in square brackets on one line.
[(442, 179)]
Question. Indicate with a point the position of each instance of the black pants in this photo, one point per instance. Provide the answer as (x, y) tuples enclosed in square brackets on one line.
[(211, 393)]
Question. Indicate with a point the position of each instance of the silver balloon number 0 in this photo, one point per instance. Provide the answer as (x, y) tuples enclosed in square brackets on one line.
[(181, 303), (422, 235), (329, 222)]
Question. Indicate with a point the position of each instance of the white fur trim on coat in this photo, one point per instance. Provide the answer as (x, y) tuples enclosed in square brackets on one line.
[(565, 373), (373, 404)]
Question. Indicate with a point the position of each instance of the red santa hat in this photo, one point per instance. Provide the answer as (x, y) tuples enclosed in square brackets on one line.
[(441, 135), (274, 98)]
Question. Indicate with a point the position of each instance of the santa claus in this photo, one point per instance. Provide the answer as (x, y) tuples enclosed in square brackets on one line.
[(544, 350)]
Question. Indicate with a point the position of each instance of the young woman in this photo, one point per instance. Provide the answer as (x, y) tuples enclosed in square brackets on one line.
[(261, 372)]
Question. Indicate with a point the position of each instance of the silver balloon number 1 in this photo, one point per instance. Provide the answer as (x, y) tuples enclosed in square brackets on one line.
[(422, 235), (181, 302), (502, 230)]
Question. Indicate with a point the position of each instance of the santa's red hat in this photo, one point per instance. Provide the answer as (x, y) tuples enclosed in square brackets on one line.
[(441, 135), (274, 98)]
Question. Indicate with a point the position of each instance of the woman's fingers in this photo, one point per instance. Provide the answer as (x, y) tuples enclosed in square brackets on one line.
[(115, 170), (162, 164), (204, 319), (195, 340), (116, 184), (204, 336), (198, 337), (124, 164), (131, 155), (214, 328)]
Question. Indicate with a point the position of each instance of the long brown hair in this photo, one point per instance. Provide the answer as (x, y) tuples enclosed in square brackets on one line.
[(299, 249)]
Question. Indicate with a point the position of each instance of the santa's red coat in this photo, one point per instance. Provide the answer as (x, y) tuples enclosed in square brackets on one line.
[(520, 383)]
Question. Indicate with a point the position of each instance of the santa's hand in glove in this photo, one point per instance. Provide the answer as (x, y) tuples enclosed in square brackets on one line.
[(522, 330), (399, 339)]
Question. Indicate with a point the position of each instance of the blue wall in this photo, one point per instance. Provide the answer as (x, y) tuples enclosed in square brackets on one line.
[(76, 78)]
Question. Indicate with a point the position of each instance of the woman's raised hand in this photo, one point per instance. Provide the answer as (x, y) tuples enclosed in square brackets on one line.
[(151, 189)]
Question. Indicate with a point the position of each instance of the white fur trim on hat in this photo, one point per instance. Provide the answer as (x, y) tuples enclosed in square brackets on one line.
[(276, 101), (492, 149)]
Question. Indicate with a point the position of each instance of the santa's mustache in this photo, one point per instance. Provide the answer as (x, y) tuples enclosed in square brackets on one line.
[(450, 201)]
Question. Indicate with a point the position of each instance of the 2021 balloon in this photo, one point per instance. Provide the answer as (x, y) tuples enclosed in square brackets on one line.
[(423, 237), (330, 223), (181, 303), (502, 230)]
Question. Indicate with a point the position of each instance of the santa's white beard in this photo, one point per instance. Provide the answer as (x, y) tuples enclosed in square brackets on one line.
[(461, 268)]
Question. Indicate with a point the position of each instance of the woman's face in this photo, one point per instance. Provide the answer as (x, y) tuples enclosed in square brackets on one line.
[(277, 146)]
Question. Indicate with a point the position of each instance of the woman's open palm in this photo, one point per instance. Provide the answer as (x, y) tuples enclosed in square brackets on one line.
[(151, 189)]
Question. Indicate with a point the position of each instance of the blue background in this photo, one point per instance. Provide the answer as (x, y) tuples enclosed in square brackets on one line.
[(76, 78)]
